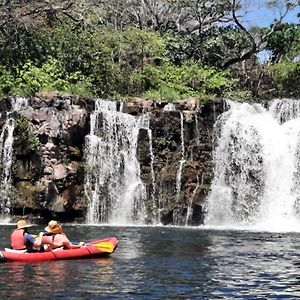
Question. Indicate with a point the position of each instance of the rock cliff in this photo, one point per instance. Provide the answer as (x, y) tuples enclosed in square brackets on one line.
[(48, 156)]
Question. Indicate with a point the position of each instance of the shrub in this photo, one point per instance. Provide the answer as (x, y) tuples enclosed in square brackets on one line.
[(7, 81), (28, 139), (286, 79), (172, 82)]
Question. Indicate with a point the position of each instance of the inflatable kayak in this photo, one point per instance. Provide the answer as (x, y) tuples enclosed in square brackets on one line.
[(97, 248)]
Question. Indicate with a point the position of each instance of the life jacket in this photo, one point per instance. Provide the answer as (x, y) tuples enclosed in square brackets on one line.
[(17, 239)]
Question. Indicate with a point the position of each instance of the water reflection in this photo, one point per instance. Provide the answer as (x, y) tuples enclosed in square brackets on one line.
[(39, 277), (56, 278)]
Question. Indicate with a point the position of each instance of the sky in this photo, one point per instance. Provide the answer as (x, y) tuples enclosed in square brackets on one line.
[(258, 14)]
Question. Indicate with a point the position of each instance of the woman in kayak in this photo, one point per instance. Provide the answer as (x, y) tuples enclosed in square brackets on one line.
[(21, 239), (55, 238)]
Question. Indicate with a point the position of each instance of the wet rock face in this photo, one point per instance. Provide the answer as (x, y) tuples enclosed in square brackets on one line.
[(46, 176), (183, 170), (48, 168)]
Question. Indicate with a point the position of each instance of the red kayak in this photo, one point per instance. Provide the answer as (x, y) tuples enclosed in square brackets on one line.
[(97, 248)]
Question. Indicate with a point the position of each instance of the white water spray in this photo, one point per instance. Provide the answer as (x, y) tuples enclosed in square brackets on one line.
[(257, 167), (169, 107), (112, 181)]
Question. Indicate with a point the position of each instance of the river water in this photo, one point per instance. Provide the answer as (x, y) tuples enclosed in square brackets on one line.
[(163, 263)]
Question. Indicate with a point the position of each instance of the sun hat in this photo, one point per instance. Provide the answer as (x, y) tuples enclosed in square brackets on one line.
[(23, 224), (53, 227)]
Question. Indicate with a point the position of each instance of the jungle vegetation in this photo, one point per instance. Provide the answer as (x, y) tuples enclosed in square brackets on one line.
[(156, 49)]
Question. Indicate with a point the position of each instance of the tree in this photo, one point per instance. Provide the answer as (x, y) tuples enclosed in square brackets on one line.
[(257, 39), (284, 42)]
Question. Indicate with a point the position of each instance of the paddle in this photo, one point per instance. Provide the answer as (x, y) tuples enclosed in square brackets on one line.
[(103, 246)]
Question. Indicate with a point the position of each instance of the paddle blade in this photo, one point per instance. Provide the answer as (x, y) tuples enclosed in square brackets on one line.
[(105, 247)]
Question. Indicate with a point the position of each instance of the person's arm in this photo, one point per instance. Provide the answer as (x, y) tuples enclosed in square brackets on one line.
[(69, 245), (30, 240)]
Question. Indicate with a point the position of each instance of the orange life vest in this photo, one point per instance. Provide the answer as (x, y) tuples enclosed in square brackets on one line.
[(17, 239)]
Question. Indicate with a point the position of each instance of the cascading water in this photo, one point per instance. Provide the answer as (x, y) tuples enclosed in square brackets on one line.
[(6, 142), (177, 218), (6, 150), (189, 208), (112, 181), (182, 160), (145, 124), (257, 167)]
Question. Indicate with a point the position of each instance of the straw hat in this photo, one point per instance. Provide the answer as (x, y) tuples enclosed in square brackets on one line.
[(53, 227), (23, 224)]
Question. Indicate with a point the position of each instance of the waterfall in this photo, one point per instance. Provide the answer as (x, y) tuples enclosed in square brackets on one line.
[(198, 134), (145, 124), (257, 167), (152, 173), (169, 107), (177, 218), (6, 142), (190, 208), (112, 183), (6, 153), (182, 160)]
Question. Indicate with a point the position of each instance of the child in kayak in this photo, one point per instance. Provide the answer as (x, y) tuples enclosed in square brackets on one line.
[(55, 237), (21, 239)]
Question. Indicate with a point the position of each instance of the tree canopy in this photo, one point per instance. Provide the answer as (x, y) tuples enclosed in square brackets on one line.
[(164, 49)]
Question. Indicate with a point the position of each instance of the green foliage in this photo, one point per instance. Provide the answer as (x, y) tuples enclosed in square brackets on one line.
[(239, 95), (284, 41), (31, 79), (32, 143), (286, 79), (172, 82), (6, 81), (162, 142), (172, 51), (21, 125), (105, 57), (213, 47), (28, 139), (78, 84), (20, 45), (140, 47)]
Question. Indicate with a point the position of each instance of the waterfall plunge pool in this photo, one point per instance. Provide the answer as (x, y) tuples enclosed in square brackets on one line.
[(164, 263)]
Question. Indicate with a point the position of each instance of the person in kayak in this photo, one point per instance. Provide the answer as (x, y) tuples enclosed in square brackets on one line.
[(21, 239), (55, 237)]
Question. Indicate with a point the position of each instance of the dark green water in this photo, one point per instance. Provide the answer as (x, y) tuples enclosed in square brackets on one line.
[(163, 263)]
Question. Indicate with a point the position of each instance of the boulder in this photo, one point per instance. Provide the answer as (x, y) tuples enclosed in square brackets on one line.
[(59, 171)]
